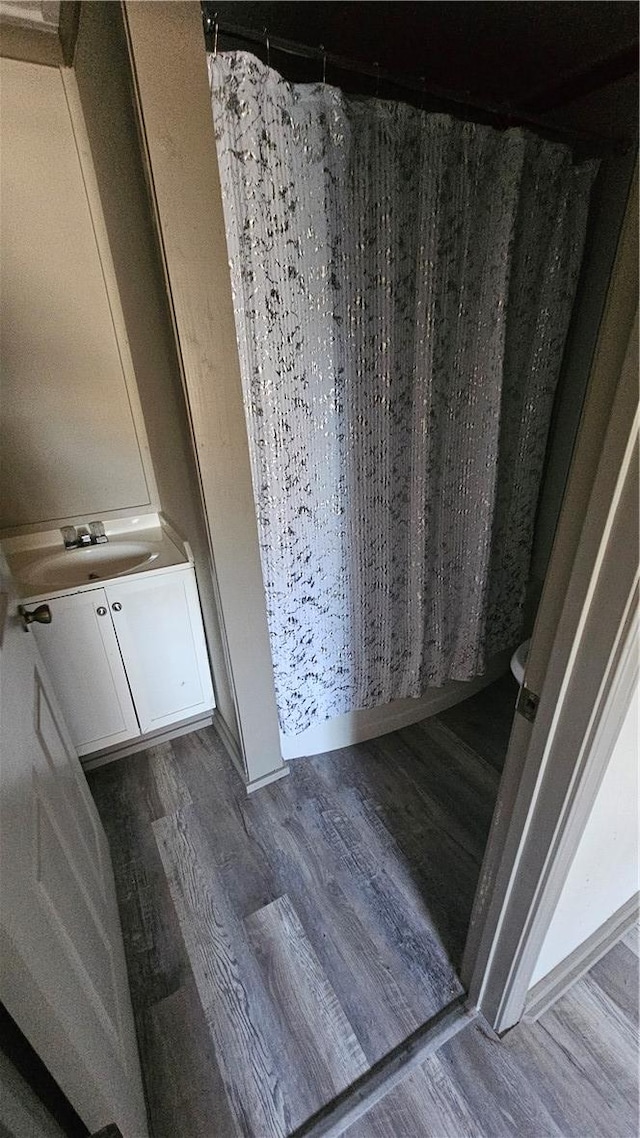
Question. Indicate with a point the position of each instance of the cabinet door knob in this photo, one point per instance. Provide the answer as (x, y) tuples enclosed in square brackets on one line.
[(101, 611), (116, 606), (41, 615)]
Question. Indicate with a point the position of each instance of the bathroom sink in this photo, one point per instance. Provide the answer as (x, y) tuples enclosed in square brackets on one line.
[(68, 567)]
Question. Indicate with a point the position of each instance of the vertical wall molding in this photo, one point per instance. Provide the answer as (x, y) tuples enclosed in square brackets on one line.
[(554, 766), (168, 57)]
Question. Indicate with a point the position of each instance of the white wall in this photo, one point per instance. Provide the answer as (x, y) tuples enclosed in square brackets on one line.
[(604, 873), (71, 445)]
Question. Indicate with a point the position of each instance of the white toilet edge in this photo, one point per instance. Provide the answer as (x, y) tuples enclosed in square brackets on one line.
[(519, 660)]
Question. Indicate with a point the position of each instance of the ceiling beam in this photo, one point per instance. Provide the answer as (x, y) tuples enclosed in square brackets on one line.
[(579, 84)]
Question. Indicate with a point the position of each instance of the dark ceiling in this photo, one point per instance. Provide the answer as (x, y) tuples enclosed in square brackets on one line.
[(573, 65)]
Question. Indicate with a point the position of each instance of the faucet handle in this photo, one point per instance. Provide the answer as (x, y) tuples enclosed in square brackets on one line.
[(98, 536), (69, 536)]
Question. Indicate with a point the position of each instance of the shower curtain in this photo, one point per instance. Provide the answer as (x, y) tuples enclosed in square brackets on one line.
[(402, 286)]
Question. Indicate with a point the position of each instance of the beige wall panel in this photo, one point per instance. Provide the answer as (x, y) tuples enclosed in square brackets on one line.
[(168, 52), (103, 77), (69, 441)]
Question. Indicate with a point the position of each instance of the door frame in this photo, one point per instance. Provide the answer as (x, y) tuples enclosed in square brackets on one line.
[(581, 640)]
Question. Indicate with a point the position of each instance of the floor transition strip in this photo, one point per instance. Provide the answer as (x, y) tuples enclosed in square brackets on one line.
[(376, 1083)]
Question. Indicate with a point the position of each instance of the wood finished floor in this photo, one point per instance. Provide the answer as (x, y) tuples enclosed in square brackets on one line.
[(279, 945)]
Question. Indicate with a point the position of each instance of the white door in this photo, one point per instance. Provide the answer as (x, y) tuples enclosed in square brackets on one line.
[(159, 628), (62, 970), (81, 655)]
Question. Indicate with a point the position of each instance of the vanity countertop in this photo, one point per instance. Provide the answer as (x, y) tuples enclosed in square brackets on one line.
[(42, 568)]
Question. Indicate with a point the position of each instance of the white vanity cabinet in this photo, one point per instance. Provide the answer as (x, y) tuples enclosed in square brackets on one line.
[(127, 658)]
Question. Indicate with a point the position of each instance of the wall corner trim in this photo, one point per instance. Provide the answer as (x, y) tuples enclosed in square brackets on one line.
[(168, 59), (552, 986)]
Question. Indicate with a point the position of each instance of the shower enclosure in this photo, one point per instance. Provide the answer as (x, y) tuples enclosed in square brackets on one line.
[(403, 284)]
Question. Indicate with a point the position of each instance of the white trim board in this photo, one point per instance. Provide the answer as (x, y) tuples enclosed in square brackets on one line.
[(266, 779), (143, 742), (556, 764), (552, 986), (550, 772), (177, 132), (165, 735), (233, 751)]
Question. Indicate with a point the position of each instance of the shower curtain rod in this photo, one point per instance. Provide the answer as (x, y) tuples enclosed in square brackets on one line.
[(500, 116)]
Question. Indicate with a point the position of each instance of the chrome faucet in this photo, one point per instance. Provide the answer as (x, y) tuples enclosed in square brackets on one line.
[(78, 538)]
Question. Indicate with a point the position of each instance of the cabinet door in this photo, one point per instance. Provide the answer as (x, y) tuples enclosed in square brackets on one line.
[(159, 628), (81, 655)]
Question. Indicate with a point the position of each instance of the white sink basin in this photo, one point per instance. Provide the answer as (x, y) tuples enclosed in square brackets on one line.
[(68, 567)]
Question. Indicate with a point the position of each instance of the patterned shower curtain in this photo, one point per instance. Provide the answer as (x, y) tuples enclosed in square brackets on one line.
[(403, 285)]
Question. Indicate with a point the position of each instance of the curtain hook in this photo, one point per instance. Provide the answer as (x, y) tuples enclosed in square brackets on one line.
[(377, 67), (324, 64), (215, 35), (266, 40)]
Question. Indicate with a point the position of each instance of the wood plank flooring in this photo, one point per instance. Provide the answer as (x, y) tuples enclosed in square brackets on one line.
[(572, 1073), (280, 945), (484, 721)]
